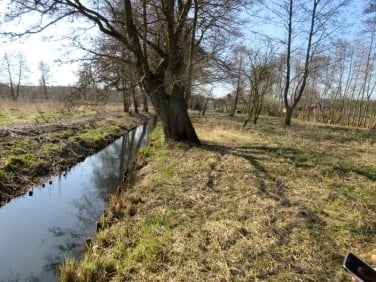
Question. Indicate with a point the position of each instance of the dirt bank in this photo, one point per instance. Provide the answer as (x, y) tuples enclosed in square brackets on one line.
[(30, 152)]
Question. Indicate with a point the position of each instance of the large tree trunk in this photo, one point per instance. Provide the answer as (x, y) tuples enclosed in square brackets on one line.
[(173, 113), (176, 123), (165, 85)]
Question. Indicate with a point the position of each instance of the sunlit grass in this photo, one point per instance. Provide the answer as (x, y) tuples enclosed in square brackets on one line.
[(27, 111), (24, 111), (261, 203)]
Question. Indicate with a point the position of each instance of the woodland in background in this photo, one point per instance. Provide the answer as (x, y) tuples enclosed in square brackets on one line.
[(317, 68), (341, 111)]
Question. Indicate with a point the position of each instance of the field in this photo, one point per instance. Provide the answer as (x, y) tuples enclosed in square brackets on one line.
[(40, 139), (262, 203)]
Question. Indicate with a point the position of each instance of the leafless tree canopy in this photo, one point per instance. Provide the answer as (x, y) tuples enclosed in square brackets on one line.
[(166, 48), (161, 35)]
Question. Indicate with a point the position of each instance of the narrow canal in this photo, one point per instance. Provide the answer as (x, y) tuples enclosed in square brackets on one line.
[(51, 222)]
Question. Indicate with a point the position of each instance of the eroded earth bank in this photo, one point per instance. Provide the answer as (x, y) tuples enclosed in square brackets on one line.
[(32, 151)]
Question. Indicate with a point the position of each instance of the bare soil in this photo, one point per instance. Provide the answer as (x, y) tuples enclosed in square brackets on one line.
[(30, 152)]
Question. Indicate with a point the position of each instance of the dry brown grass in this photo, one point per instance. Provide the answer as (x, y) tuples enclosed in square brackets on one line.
[(39, 111), (26, 111), (255, 204)]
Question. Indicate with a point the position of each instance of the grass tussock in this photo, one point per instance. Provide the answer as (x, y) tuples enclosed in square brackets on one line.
[(261, 203)]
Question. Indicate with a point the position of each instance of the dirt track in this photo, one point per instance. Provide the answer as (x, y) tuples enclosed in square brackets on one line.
[(32, 152)]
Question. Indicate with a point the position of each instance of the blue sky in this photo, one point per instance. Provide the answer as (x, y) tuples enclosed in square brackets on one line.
[(41, 47)]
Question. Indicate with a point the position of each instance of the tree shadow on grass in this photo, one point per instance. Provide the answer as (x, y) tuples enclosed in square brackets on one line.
[(306, 157), (264, 177), (322, 133), (270, 186)]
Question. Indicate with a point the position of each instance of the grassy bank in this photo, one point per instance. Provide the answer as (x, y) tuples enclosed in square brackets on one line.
[(33, 148), (256, 204)]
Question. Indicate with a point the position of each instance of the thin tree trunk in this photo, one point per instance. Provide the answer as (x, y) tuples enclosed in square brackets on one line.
[(125, 100), (145, 103), (301, 88), (44, 88), (237, 92), (188, 89), (288, 68), (12, 92), (135, 102)]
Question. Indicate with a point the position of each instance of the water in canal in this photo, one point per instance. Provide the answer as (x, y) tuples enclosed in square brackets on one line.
[(51, 222)]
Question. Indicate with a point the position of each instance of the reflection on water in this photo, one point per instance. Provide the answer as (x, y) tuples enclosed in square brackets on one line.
[(39, 230)]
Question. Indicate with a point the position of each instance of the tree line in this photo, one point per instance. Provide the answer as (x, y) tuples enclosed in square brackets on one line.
[(168, 49)]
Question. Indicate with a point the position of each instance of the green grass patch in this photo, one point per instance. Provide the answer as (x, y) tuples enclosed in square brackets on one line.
[(157, 148), (15, 163), (67, 133), (154, 238), (52, 138), (93, 136), (145, 152), (231, 207), (54, 149), (90, 137)]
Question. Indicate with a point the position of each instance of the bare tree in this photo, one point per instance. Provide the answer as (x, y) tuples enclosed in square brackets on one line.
[(260, 76), (16, 67), (206, 95), (369, 83), (239, 89), (156, 32), (86, 89), (308, 27), (44, 77), (341, 84), (114, 67)]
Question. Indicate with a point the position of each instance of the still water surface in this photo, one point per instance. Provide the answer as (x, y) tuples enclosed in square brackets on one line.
[(37, 232)]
